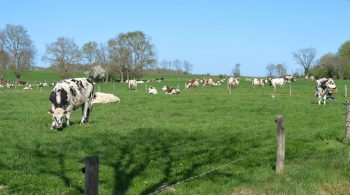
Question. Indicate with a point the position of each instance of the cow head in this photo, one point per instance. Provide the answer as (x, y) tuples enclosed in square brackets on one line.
[(58, 117)]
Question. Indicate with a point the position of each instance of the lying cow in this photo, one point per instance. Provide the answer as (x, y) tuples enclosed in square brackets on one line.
[(132, 84), (192, 83), (170, 90), (68, 95), (259, 82), (152, 90), (160, 79), (105, 98), (324, 89)]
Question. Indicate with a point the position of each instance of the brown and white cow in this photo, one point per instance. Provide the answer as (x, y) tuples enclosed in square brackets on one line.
[(170, 90), (193, 83), (259, 82), (67, 96), (232, 82)]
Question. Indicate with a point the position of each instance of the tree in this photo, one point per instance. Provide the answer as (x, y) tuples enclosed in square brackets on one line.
[(281, 70), (131, 53), (271, 70), (18, 47), (305, 57), (3, 63), (103, 60), (89, 52), (63, 53), (187, 66), (236, 72), (177, 65)]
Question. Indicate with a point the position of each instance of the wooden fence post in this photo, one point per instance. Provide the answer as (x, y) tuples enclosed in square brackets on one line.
[(345, 91), (347, 120), (280, 145), (290, 90), (91, 175)]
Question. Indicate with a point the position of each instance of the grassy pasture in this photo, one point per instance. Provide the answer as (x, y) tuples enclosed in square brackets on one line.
[(145, 142)]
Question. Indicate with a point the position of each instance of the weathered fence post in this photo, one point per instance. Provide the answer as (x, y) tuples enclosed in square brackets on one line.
[(290, 90), (280, 145), (91, 175), (347, 120), (345, 91)]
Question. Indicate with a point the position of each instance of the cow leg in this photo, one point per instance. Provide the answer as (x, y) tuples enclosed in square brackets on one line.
[(324, 99), (85, 110), (68, 118)]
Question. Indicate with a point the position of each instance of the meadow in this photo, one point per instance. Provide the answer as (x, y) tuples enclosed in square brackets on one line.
[(146, 142)]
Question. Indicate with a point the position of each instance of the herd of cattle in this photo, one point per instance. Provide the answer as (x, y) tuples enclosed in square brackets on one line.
[(70, 94)]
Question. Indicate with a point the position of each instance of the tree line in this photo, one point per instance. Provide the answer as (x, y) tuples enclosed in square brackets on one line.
[(128, 55)]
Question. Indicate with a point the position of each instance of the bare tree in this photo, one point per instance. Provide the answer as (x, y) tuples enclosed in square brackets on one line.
[(19, 48), (236, 72), (3, 63), (62, 53), (281, 69), (271, 70), (305, 57), (120, 55), (187, 66), (177, 65), (103, 60), (89, 52)]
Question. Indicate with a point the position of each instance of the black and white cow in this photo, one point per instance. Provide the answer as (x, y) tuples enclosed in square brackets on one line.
[(325, 87), (68, 95)]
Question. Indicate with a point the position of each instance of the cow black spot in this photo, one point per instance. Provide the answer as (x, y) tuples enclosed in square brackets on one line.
[(64, 98), (53, 99), (90, 81), (72, 90)]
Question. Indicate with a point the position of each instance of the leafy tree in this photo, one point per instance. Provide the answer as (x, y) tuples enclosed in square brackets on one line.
[(304, 57), (63, 53), (18, 47)]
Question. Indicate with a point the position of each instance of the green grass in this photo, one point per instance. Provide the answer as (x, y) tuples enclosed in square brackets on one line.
[(147, 141)]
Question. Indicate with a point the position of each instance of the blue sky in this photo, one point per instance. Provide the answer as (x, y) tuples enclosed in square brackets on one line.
[(213, 35)]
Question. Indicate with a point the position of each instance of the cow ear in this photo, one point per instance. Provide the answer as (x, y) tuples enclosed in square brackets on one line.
[(50, 112)]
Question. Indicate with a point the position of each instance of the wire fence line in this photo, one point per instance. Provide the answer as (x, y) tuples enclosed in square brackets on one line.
[(197, 176)]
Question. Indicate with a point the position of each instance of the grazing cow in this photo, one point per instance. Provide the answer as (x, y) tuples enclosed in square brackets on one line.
[(277, 81), (105, 98), (68, 95), (192, 83), (160, 79), (232, 82), (152, 90), (324, 89), (259, 82), (132, 84), (170, 90)]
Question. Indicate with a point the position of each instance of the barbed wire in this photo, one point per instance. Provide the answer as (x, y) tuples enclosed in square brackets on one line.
[(197, 176)]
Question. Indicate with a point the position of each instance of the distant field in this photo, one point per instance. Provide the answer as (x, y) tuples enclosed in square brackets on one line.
[(146, 142)]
